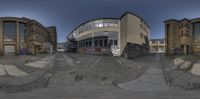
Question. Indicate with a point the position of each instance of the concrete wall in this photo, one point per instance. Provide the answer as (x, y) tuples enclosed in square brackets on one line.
[(172, 35), (133, 41), (123, 33), (178, 36)]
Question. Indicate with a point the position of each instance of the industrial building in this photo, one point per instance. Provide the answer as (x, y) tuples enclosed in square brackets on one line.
[(126, 36)]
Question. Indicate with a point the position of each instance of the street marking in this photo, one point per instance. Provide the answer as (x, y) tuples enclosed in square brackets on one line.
[(14, 71), (40, 63), (37, 64), (96, 61)]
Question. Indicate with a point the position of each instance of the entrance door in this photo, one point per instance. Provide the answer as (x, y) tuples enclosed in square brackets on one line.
[(9, 50)]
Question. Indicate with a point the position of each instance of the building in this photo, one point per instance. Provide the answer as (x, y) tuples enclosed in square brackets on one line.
[(19, 36), (157, 45), (61, 46), (182, 36), (125, 36), (53, 37)]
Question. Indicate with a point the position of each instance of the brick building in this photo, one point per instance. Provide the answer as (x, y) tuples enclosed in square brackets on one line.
[(182, 36), (19, 36)]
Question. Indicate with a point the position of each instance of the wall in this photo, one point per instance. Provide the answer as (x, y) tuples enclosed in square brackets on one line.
[(132, 43)]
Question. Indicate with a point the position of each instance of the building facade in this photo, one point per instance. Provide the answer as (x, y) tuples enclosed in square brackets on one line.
[(61, 46), (19, 36), (157, 45), (182, 36), (125, 36), (53, 37)]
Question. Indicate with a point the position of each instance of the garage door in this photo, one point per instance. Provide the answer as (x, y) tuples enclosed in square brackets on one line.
[(9, 50)]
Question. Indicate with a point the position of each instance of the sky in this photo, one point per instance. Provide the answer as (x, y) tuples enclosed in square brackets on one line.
[(68, 14)]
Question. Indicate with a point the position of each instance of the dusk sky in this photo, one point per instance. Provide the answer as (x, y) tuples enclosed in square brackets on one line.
[(67, 14)]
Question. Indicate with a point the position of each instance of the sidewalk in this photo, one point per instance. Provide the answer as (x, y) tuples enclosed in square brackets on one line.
[(151, 81)]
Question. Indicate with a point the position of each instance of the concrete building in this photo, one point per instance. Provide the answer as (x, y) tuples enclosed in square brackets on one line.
[(23, 36), (125, 36), (53, 37), (61, 46), (182, 36), (157, 45)]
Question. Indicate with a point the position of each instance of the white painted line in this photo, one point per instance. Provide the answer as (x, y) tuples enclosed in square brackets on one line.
[(98, 60), (14, 71), (2, 71), (37, 64)]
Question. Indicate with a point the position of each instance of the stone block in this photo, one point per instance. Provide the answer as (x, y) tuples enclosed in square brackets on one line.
[(195, 69), (185, 66), (178, 61)]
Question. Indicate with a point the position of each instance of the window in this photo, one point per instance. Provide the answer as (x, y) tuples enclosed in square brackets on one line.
[(154, 42), (110, 42), (115, 42), (96, 43), (86, 43), (105, 43), (141, 35), (9, 31), (100, 24), (181, 33), (90, 43), (101, 43), (162, 42), (22, 34)]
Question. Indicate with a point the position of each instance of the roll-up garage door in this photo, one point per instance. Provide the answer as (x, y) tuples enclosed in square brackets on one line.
[(9, 50)]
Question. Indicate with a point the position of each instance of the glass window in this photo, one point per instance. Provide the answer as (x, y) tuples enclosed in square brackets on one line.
[(101, 43), (110, 42), (86, 43), (100, 24), (22, 31), (9, 31), (196, 29), (115, 42), (90, 43), (105, 43), (96, 43)]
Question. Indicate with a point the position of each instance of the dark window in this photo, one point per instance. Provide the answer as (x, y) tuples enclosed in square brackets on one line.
[(96, 43), (105, 43), (90, 43), (86, 43), (141, 35), (181, 33), (115, 42), (101, 43), (83, 43), (110, 42)]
